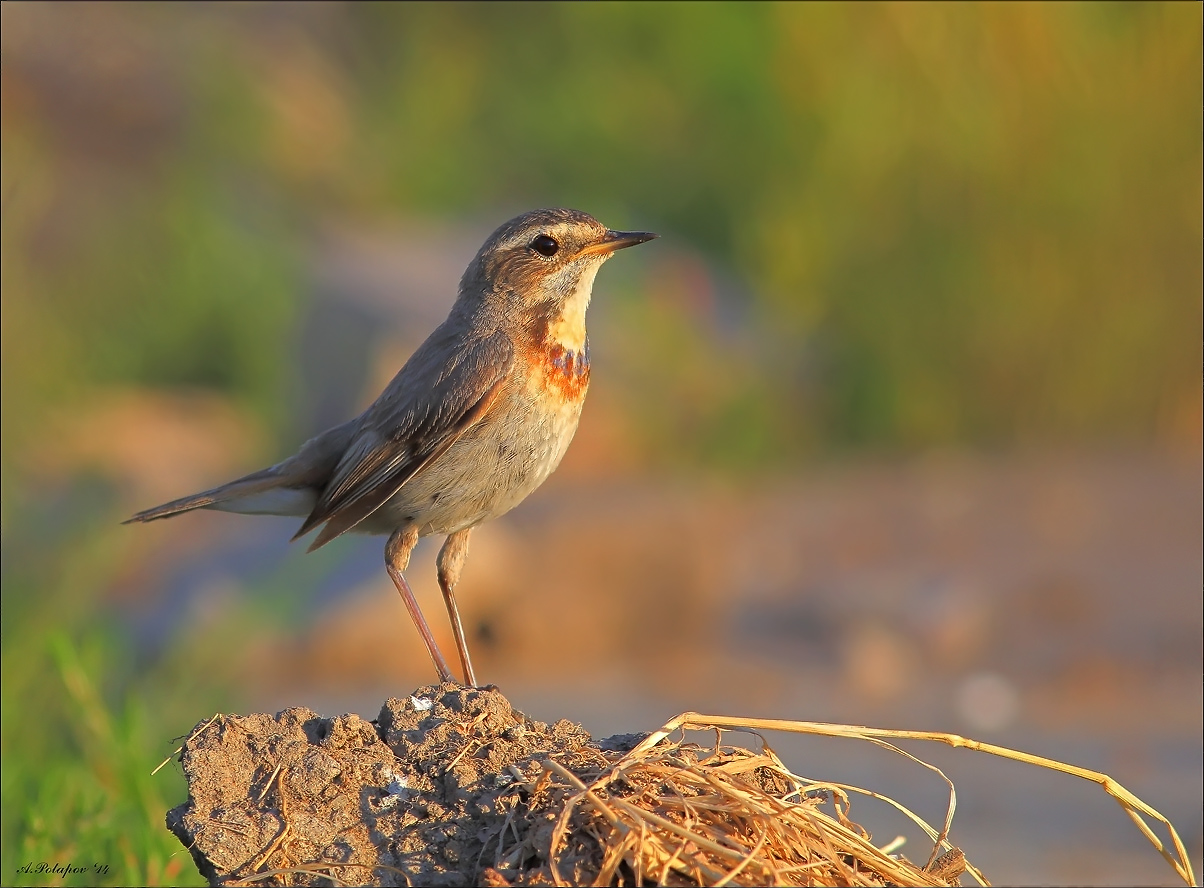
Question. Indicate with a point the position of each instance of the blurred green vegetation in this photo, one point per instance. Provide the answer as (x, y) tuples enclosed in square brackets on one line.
[(953, 223), (948, 224), (84, 722)]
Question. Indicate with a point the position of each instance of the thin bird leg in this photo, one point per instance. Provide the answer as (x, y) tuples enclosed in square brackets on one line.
[(451, 562), (397, 559)]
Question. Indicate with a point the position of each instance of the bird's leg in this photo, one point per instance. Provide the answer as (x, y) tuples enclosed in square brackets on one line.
[(397, 559), (451, 562)]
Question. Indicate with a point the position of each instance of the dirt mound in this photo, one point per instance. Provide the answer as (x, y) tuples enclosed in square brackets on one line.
[(415, 797), (452, 786)]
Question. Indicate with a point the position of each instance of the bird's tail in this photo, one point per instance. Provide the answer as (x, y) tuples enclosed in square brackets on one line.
[(260, 493)]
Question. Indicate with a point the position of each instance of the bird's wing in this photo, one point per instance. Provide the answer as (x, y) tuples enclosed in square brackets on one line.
[(421, 414)]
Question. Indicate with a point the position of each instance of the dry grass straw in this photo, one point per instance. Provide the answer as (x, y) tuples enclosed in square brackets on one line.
[(677, 815)]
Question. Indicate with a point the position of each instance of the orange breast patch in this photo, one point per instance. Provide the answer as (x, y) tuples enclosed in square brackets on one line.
[(566, 371)]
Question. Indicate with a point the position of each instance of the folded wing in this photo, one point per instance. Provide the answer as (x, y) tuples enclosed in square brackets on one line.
[(421, 415)]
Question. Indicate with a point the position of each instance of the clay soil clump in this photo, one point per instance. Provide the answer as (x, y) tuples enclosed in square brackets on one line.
[(418, 796)]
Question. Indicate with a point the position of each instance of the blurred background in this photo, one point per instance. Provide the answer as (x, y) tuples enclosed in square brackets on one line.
[(899, 423)]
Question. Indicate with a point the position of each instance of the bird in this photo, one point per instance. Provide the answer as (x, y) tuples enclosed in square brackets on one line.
[(477, 418)]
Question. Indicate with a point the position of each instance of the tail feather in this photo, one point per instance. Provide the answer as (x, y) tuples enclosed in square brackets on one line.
[(258, 492)]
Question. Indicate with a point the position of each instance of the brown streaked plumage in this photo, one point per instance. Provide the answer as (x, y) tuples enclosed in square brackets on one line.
[(477, 418)]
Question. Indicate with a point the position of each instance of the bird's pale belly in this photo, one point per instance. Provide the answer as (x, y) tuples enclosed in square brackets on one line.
[(491, 469)]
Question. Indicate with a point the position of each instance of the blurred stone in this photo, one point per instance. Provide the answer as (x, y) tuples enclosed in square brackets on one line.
[(157, 445), (988, 701)]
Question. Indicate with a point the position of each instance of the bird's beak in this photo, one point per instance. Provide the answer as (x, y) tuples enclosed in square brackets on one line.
[(617, 240)]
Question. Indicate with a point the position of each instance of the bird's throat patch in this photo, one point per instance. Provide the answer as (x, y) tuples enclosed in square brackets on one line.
[(567, 327)]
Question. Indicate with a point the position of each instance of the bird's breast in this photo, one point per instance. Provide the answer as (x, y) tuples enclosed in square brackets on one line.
[(497, 462)]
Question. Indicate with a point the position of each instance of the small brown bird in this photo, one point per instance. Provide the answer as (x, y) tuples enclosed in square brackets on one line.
[(477, 418)]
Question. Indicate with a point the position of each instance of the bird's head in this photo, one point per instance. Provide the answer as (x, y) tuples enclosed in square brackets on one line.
[(539, 269)]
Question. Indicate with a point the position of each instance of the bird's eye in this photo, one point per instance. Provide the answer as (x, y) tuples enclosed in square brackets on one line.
[(545, 246)]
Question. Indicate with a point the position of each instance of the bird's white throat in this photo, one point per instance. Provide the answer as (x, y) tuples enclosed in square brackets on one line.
[(568, 329)]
